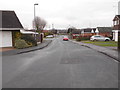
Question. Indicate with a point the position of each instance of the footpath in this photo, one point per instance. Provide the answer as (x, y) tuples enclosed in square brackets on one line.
[(104, 50), (25, 50)]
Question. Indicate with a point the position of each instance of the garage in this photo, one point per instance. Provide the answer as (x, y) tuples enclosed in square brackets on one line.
[(6, 39)]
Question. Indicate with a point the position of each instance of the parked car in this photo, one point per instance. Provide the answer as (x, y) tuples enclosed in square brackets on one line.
[(65, 38), (50, 36), (99, 38)]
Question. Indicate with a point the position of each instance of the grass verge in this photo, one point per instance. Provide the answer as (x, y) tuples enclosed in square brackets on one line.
[(102, 43)]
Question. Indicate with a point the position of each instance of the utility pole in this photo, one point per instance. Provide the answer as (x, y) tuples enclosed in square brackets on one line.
[(52, 26)]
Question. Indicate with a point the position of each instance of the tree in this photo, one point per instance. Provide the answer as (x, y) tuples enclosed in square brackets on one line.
[(71, 29), (39, 23)]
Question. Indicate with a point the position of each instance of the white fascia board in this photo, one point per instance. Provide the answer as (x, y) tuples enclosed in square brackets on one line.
[(115, 30), (27, 32)]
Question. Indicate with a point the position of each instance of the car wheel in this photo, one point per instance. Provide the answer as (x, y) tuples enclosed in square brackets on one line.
[(107, 40), (94, 40)]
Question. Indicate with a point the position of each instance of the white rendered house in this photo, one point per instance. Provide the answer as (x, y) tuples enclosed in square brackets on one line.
[(9, 24)]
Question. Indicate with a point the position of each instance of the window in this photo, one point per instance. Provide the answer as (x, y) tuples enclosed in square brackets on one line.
[(97, 36)]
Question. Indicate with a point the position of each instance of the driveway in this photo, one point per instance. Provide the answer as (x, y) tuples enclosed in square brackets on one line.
[(6, 49)]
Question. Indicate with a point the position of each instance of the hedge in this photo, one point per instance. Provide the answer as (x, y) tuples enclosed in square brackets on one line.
[(29, 40), (20, 44)]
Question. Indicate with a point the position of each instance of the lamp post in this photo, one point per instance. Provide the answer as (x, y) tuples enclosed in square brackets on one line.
[(34, 19)]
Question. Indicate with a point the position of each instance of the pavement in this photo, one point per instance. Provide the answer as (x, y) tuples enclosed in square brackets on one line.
[(25, 50), (111, 52), (6, 49)]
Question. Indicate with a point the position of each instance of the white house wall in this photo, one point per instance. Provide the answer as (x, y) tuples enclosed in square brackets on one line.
[(115, 35), (6, 38)]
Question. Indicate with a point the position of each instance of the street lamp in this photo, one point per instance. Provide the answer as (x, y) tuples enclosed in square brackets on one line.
[(34, 18)]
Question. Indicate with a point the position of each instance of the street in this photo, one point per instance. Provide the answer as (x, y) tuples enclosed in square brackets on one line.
[(63, 64)]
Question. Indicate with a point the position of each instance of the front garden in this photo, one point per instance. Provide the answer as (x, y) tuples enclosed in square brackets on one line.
[(102, 43), (23, 41), (99, 43)]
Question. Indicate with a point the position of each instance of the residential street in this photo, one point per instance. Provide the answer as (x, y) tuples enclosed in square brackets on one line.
[(62, 64)]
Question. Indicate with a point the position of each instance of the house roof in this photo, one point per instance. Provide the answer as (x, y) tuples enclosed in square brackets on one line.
[(88, 29), (104, 29), (76, 31), (117, 16), (9, 20)]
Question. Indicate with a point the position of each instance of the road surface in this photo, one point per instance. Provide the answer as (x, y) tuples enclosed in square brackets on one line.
[(63, 64)]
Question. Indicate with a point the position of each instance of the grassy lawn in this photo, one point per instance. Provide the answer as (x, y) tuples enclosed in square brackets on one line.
[(103, 43)]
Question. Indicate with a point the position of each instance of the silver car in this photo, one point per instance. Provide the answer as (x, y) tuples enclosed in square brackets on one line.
[(99, 38)]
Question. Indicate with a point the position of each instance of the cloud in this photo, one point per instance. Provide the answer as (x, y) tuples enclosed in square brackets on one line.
[(63, 13)]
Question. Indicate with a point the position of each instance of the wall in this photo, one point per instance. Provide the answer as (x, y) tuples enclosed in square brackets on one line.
[(115, 35)]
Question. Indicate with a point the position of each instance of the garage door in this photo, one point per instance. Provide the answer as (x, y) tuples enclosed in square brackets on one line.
[(6, 39)]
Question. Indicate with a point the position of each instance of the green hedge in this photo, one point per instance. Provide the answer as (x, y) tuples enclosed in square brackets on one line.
[(82, 38), (78, 39), (47, 33), (29, 40), (20, 44)]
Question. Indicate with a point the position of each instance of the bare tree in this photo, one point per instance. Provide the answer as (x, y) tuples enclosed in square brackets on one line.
[(39, 23)]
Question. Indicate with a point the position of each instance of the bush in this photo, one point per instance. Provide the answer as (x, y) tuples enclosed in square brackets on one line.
[(111, 37), (47, 33), (78, 39), (20, 44), (85, 38), (29, 39), (82, 38)]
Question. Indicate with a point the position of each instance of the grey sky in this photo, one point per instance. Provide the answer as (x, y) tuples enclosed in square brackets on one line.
[(64, 13)]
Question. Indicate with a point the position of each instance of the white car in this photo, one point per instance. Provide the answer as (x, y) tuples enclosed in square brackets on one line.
[(99, 38), (50, 36)]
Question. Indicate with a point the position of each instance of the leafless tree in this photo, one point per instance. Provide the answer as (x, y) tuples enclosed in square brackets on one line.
[(39, 23)]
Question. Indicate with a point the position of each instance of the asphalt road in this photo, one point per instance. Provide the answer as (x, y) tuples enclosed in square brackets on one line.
[(63, 64)]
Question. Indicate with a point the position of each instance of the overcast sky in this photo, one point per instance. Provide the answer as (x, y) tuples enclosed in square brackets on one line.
[(64, 13)]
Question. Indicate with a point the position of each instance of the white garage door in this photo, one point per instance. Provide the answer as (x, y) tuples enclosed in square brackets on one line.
[(6, 39)]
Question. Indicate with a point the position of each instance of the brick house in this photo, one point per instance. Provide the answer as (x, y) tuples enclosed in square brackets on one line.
[(104, 31), (116, 27), (88, 32)]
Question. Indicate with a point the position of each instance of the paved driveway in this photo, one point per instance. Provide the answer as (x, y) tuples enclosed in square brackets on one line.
[(6, 49)]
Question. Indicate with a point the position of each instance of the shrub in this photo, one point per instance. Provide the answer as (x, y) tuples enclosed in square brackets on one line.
[(47, 33), (29, 39), (20, 44), (16, 34), (78, 39), (85, 38), (82, 38), (111, 37)]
